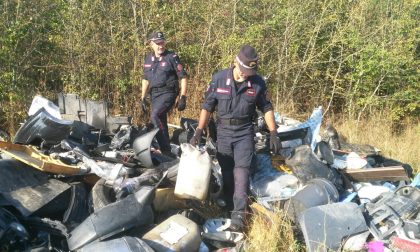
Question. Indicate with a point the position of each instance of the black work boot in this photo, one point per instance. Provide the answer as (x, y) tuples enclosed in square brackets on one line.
[(237, 222)]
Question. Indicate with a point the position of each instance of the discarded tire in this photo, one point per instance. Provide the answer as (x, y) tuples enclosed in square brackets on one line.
[(77, 210), (101, 195)]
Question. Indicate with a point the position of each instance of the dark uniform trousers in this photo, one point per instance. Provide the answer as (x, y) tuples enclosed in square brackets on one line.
[(163, 74), (234, 153), (161, 104), (235, 105)]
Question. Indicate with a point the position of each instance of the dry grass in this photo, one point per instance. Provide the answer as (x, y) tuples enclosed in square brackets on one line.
[(400, 142), (271, 233)]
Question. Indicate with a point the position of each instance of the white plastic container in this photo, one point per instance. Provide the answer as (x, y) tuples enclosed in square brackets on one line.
[(175, 234), (194, 171)]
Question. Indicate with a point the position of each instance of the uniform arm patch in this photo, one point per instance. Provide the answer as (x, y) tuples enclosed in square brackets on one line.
[(251, 92), (223, 90)]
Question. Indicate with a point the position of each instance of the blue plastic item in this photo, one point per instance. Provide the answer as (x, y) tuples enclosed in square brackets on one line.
[(416, 181)]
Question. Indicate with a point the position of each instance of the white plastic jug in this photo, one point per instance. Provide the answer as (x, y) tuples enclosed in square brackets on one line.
[(175, 234), (193, 177)]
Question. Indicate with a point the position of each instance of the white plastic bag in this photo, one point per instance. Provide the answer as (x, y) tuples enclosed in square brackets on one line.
[(354, 161)]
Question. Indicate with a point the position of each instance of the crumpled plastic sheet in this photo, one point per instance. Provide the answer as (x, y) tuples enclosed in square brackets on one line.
[(108, 171), (314, 123), (269, 182), (40, 102)]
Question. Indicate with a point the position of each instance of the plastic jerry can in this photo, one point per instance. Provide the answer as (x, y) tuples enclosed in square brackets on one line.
[(165, 200), (193, 173), (175, 234)]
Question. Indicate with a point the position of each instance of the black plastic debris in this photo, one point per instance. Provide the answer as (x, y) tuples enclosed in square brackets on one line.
[(185, 133), (388, 212), (331, 136), (306, 166), (45, 234), (124, 138), (317, 192), (31, 191), (13, 235), (324, 152), (43, 128), (142, 146), (325, 227), (132, 211)]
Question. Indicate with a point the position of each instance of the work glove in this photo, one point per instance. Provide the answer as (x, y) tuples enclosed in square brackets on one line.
[(127, 187), (143, 106), (197, 137), (182, 103), (275, 144)]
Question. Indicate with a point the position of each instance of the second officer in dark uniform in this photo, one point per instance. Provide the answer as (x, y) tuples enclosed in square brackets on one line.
[(235, 93), (162, 73)]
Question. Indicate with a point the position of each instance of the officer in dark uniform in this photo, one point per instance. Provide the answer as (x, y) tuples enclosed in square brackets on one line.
[(235, 93), (162, 72)]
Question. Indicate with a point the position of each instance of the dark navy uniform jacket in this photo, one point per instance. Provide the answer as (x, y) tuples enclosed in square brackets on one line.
[(236, 102), (162, 71)]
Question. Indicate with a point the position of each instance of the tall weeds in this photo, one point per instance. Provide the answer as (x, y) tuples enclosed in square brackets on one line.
[(397, 141), (272, 233)]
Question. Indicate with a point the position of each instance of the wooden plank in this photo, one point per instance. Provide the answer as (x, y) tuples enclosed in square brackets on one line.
[(33, 157), (391, 173)]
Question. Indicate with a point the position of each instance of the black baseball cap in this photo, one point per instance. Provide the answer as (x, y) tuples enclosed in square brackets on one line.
[(156, 37), (247, 60)]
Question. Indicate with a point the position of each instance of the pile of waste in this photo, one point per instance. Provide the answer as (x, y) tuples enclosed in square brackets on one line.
[(340, 196), (75, 178)]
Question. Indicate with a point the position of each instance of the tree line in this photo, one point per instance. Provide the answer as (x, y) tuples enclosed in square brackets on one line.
[(352, 57)]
